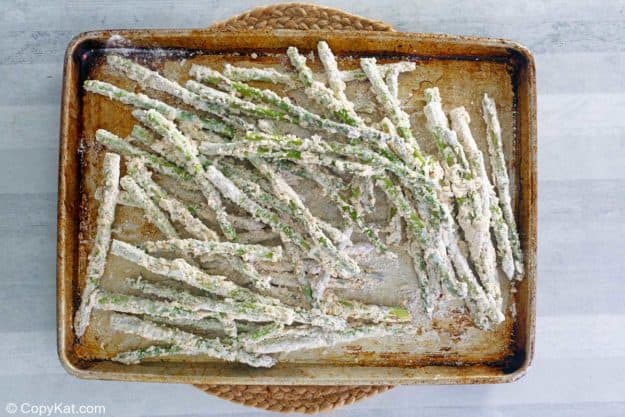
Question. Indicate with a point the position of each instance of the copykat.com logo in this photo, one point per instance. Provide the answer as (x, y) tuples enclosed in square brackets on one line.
[(54, 409)]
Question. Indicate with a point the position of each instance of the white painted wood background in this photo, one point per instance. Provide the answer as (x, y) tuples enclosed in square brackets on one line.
[(579, 45)]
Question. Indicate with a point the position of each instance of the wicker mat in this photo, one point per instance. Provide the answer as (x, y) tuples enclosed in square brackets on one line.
[(296, 398)]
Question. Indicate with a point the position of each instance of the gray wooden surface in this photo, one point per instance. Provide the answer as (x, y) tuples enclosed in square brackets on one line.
[(579, 47)]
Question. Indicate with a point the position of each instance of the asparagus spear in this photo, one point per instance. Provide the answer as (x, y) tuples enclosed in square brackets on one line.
[(263, 333), (234, 104), (161, 165), (490, 211), (340, 238), (388, 101), (248, 271), (197, 248), (313, 339), (270, 75), (151, 140), (425, 296), (392, 81), (123, 303), (183, 344), (253, 312), (500, 178), (336, 83), (253, 184), (475, 225), (101, 243), (206, 326), (368, 312), (139, 355), (271, 150), (210, 326), (152, 213), (178, 211), (142, 101), (275, 76), (387, 126)]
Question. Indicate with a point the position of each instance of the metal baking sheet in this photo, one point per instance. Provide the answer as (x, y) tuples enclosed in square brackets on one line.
[(463, 69)]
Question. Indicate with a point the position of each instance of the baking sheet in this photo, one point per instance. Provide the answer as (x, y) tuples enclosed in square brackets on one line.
[(452, 342)]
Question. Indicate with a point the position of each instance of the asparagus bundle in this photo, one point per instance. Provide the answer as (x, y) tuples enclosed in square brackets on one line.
[(230, 143), (471, 218), (490, 203)]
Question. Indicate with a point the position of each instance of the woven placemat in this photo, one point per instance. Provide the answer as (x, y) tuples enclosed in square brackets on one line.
[(307, 399), (299, 16)]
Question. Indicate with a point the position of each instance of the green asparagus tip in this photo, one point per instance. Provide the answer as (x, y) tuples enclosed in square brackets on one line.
[(400, 313)]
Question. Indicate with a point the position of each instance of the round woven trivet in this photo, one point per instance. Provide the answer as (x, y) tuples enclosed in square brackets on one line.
[(299, 16), (296, 398)]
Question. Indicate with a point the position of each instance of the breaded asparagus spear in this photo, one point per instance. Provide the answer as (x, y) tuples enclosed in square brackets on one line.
[(197, 248), (157, 163), (142, 101), (269, 75), (275, 76), (500, 178), (297, 340), (102, 241), (271, 150), (389, 102), (368, 312), (182, 343), (335, 81), (123, 303), (248, 311)]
